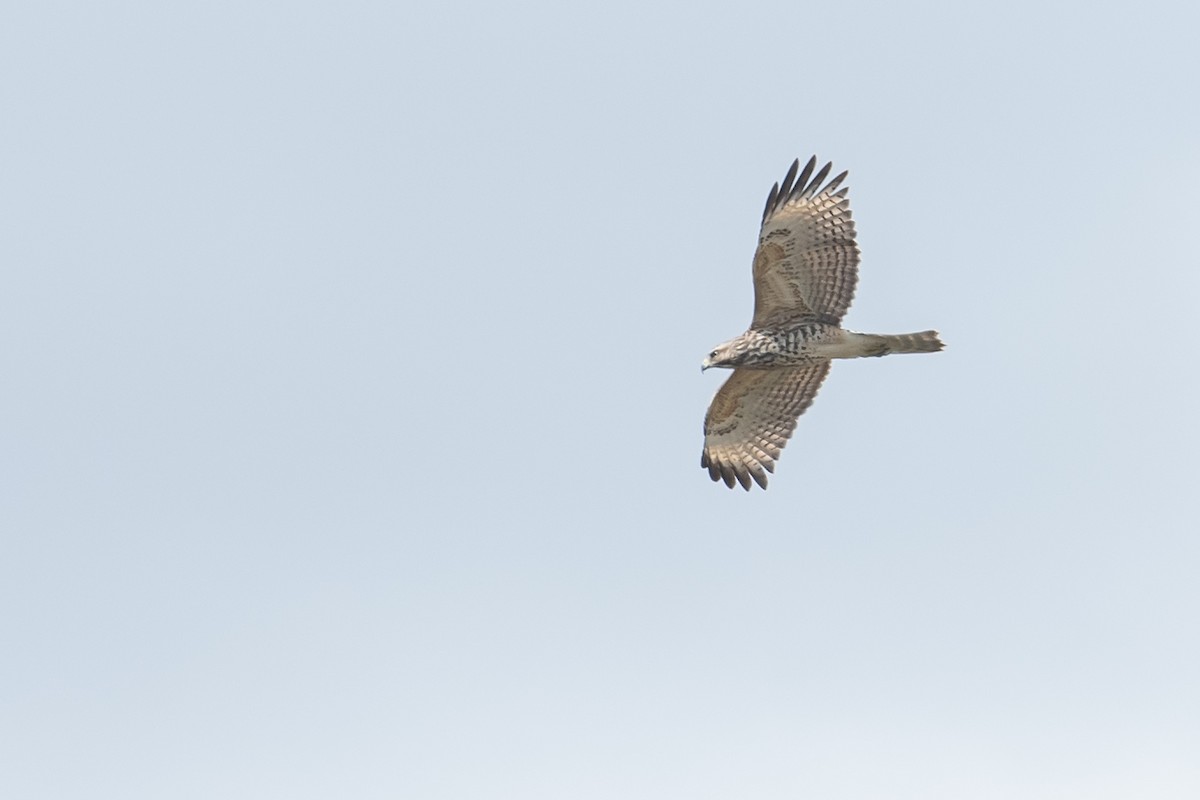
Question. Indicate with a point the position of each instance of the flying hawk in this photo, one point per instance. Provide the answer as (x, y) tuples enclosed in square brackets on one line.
[(805, 271)]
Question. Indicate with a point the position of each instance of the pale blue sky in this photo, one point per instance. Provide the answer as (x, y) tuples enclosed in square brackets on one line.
[(352, 411)]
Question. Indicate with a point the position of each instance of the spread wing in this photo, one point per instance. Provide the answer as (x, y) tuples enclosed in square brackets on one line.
[(806, 265), (753, 416)]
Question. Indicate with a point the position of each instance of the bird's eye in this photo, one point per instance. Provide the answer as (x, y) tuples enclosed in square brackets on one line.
[(713, 354)]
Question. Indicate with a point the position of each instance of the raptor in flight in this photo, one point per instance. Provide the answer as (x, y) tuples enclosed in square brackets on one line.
[(805, 271)]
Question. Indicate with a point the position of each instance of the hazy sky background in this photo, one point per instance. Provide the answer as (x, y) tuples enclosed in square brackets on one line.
[(351, 411)]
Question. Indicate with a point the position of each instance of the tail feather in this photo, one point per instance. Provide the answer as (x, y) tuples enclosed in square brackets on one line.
[(923, 342)]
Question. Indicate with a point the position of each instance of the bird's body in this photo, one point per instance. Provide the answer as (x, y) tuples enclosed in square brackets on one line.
[(787, 346), (805, 273)]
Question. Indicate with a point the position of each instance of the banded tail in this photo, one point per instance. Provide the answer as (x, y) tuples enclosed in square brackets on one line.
[(923, 342)]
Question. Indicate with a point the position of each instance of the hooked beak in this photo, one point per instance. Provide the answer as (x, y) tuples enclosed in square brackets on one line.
[(705, 364)]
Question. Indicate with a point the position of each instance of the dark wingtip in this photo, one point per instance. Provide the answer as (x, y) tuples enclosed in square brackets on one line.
[(785, 188), (743, 478), (802, 181), (815, 183), (836, 182), (727, 475), (771, 198)]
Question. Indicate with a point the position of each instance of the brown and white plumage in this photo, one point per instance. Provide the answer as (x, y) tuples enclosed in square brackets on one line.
[(752, 418), (805, 273), (806, 265)]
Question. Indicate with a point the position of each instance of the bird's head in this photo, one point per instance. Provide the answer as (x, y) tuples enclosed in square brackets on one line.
[(716, 358), (729, 355)]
